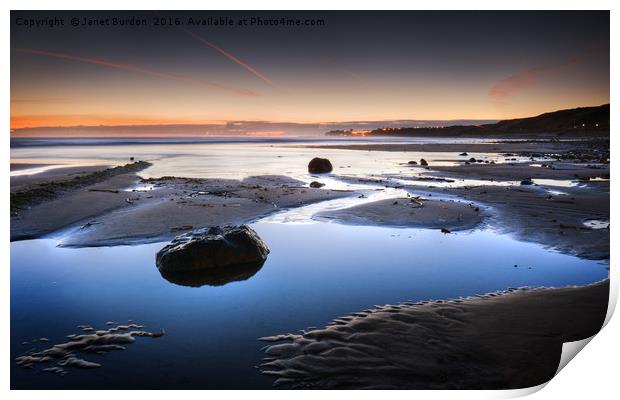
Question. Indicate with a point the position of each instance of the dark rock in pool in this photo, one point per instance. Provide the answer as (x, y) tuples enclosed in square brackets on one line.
[(423, 162), (319, 165), (212, 256), (315, 184)]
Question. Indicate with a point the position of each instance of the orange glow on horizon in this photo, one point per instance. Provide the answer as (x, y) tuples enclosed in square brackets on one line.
[(68, 121)]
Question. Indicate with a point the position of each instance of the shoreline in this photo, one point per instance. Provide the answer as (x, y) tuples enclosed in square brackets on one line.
[(488, 147), (121, 208), (453, 343)]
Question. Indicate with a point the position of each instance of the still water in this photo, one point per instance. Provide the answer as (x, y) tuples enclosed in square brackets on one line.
[(314, 273)]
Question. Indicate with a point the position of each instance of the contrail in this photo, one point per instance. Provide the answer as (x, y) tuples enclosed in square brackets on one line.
[(137, 69), (229, 56)]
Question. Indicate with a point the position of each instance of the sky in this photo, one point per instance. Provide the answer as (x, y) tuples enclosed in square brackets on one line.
[(348, 66)]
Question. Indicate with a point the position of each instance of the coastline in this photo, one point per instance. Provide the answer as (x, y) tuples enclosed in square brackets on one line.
[(461, 343)]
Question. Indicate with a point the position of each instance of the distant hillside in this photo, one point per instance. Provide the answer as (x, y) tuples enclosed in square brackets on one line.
[(576, 122)]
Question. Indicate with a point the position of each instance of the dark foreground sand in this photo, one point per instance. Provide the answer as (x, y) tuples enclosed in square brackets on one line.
[(496, 341)]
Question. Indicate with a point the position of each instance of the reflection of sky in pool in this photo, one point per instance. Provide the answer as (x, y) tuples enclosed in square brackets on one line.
[(315, 272)]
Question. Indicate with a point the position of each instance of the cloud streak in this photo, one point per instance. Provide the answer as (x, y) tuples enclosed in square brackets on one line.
[(231, 57), (506, 87), (136, 69), (42, 100)]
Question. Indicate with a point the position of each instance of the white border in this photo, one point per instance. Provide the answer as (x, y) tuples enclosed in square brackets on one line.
[(592, 374)]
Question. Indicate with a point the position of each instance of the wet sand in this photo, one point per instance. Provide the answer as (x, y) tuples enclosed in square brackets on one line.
[(496, 341), (22, 166), (521, 171), (57, 358), (448, 215), (497, 147), (157, 209), (533, 214)]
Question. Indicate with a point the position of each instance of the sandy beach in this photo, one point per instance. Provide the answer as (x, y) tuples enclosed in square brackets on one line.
[(506, 340), (555, 195), (320, 199)]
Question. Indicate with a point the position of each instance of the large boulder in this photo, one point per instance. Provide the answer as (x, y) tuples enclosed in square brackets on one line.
[(215, 249), (319, 165)]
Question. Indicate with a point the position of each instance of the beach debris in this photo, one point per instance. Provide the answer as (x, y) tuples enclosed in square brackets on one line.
[(319, 165), (315, 184), (212, 248), (416, 200), (67, 354), (423, 162)]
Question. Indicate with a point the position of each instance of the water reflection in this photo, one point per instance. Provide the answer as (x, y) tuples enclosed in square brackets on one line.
[(213, 276)]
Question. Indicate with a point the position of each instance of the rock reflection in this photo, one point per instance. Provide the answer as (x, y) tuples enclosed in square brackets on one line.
[(213, 276)]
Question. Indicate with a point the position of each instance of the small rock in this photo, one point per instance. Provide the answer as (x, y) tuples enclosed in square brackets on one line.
[(412, 163), (463, 154), (527, 181), (315, 184), (423, 162), (445, 230)]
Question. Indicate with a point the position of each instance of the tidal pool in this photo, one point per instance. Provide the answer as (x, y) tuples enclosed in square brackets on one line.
[(315, 272)]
